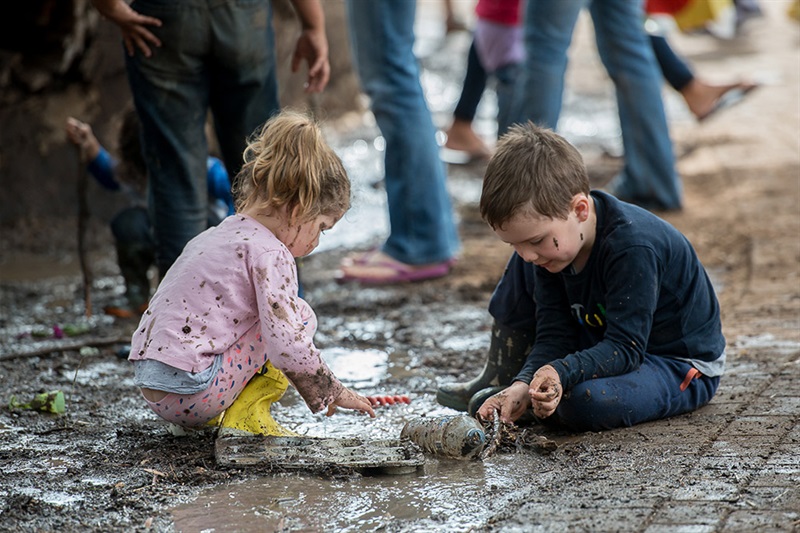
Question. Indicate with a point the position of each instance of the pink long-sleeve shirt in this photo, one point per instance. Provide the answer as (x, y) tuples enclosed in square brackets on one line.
[(229, 279)]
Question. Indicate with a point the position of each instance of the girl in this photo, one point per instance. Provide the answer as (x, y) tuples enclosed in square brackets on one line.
[(225, 328)]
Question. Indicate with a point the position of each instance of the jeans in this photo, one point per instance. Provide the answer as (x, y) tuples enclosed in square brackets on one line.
[(649, 176), (651, 392), (420, 213), (215, 54)]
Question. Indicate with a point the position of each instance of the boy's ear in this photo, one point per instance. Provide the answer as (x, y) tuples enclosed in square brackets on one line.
[(581, 207)]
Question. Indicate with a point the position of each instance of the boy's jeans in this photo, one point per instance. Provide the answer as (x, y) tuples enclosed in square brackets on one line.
[(214, 54), (420, 213), (649, 175)]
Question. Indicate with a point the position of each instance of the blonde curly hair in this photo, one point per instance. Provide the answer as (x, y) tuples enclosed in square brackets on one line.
[(289, 164)]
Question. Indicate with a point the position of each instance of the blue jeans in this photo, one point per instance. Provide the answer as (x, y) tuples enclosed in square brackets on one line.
[(420, 213), (649, 176), (651, 392), (216, 55)]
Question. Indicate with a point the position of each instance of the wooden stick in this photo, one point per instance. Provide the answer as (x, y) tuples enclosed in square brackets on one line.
[(83, 219), (64, 346)]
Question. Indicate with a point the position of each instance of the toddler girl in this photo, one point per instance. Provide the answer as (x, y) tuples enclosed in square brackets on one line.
[(225, 328)]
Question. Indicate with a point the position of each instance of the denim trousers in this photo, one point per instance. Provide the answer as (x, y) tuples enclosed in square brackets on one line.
[(649, 176), (423, 229), (217, 55), (657, 389)]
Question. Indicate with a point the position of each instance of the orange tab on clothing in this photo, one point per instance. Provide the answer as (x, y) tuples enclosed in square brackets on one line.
[(690, 375)]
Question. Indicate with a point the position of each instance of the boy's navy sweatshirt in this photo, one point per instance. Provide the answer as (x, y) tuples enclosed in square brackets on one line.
[(643, 290)]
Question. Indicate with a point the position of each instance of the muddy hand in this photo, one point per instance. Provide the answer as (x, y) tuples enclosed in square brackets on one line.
[(350, 400), (545, 391), (511, 403)]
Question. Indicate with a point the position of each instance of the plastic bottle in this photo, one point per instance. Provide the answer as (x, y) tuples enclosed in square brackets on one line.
[(456, 436)]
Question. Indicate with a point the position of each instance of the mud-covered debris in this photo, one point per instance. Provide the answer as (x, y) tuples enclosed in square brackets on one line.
[(507, 437)]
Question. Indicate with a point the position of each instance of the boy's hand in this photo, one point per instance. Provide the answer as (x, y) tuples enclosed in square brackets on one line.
[(510, 403), (545, 391), (350, 400), (80, 134)]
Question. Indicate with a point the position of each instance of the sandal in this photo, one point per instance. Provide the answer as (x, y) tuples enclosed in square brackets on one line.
[(380, 269)]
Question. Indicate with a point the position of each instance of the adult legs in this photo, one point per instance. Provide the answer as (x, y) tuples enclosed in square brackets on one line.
[(548, 33), (242, 75), (422, 227), (170, 92), (649, 176)]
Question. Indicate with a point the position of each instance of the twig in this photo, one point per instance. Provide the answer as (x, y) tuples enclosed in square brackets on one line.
[(83, 217), (65, 346), (497, 432)]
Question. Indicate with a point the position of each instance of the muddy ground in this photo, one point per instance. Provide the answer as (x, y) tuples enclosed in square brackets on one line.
[(109, 464)]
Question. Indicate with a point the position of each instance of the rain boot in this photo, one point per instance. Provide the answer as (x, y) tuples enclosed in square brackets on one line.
[(508, 351), (249, 413)]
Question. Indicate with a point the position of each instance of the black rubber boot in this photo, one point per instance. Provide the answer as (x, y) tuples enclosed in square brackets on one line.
[(481, 396), (507, 353), (134, 261)]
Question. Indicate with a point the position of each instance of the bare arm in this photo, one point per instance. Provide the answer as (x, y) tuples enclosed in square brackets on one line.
[(132, 25), (312, 45)]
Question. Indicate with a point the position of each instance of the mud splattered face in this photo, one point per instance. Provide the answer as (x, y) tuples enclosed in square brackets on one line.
[(551, 243), (304, 237)]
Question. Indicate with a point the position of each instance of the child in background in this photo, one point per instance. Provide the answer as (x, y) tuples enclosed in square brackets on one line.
[(225, 327), (496, 50), (627, 322), (131, 227)]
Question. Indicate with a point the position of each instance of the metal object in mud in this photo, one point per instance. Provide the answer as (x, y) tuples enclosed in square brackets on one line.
[(390, 456), (457, 437)]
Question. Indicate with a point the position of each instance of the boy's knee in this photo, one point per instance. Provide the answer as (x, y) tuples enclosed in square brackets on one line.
[(589, 408)]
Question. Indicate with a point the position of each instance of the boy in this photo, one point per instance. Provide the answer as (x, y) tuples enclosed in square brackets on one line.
[(627, 323)]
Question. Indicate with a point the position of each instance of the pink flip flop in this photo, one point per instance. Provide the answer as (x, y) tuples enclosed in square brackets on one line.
[(728, 99), (399, 273)]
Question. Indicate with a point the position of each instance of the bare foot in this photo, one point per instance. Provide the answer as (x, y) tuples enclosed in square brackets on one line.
[(462, 138), (703, 99)]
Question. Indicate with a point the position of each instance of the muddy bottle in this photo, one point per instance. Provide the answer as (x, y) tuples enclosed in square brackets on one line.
[(457, 436)]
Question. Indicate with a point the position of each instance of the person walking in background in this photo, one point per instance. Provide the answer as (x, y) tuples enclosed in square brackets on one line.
[(497, 49), (649, 177), (423, 240), (702, 98), (184, 57), (131, 227)]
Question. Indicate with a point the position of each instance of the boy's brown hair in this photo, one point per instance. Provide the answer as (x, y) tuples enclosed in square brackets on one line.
[(534, 169)]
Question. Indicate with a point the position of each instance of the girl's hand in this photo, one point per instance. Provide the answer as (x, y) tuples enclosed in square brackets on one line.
[(350, 400), (510, 403), (545, 391)]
